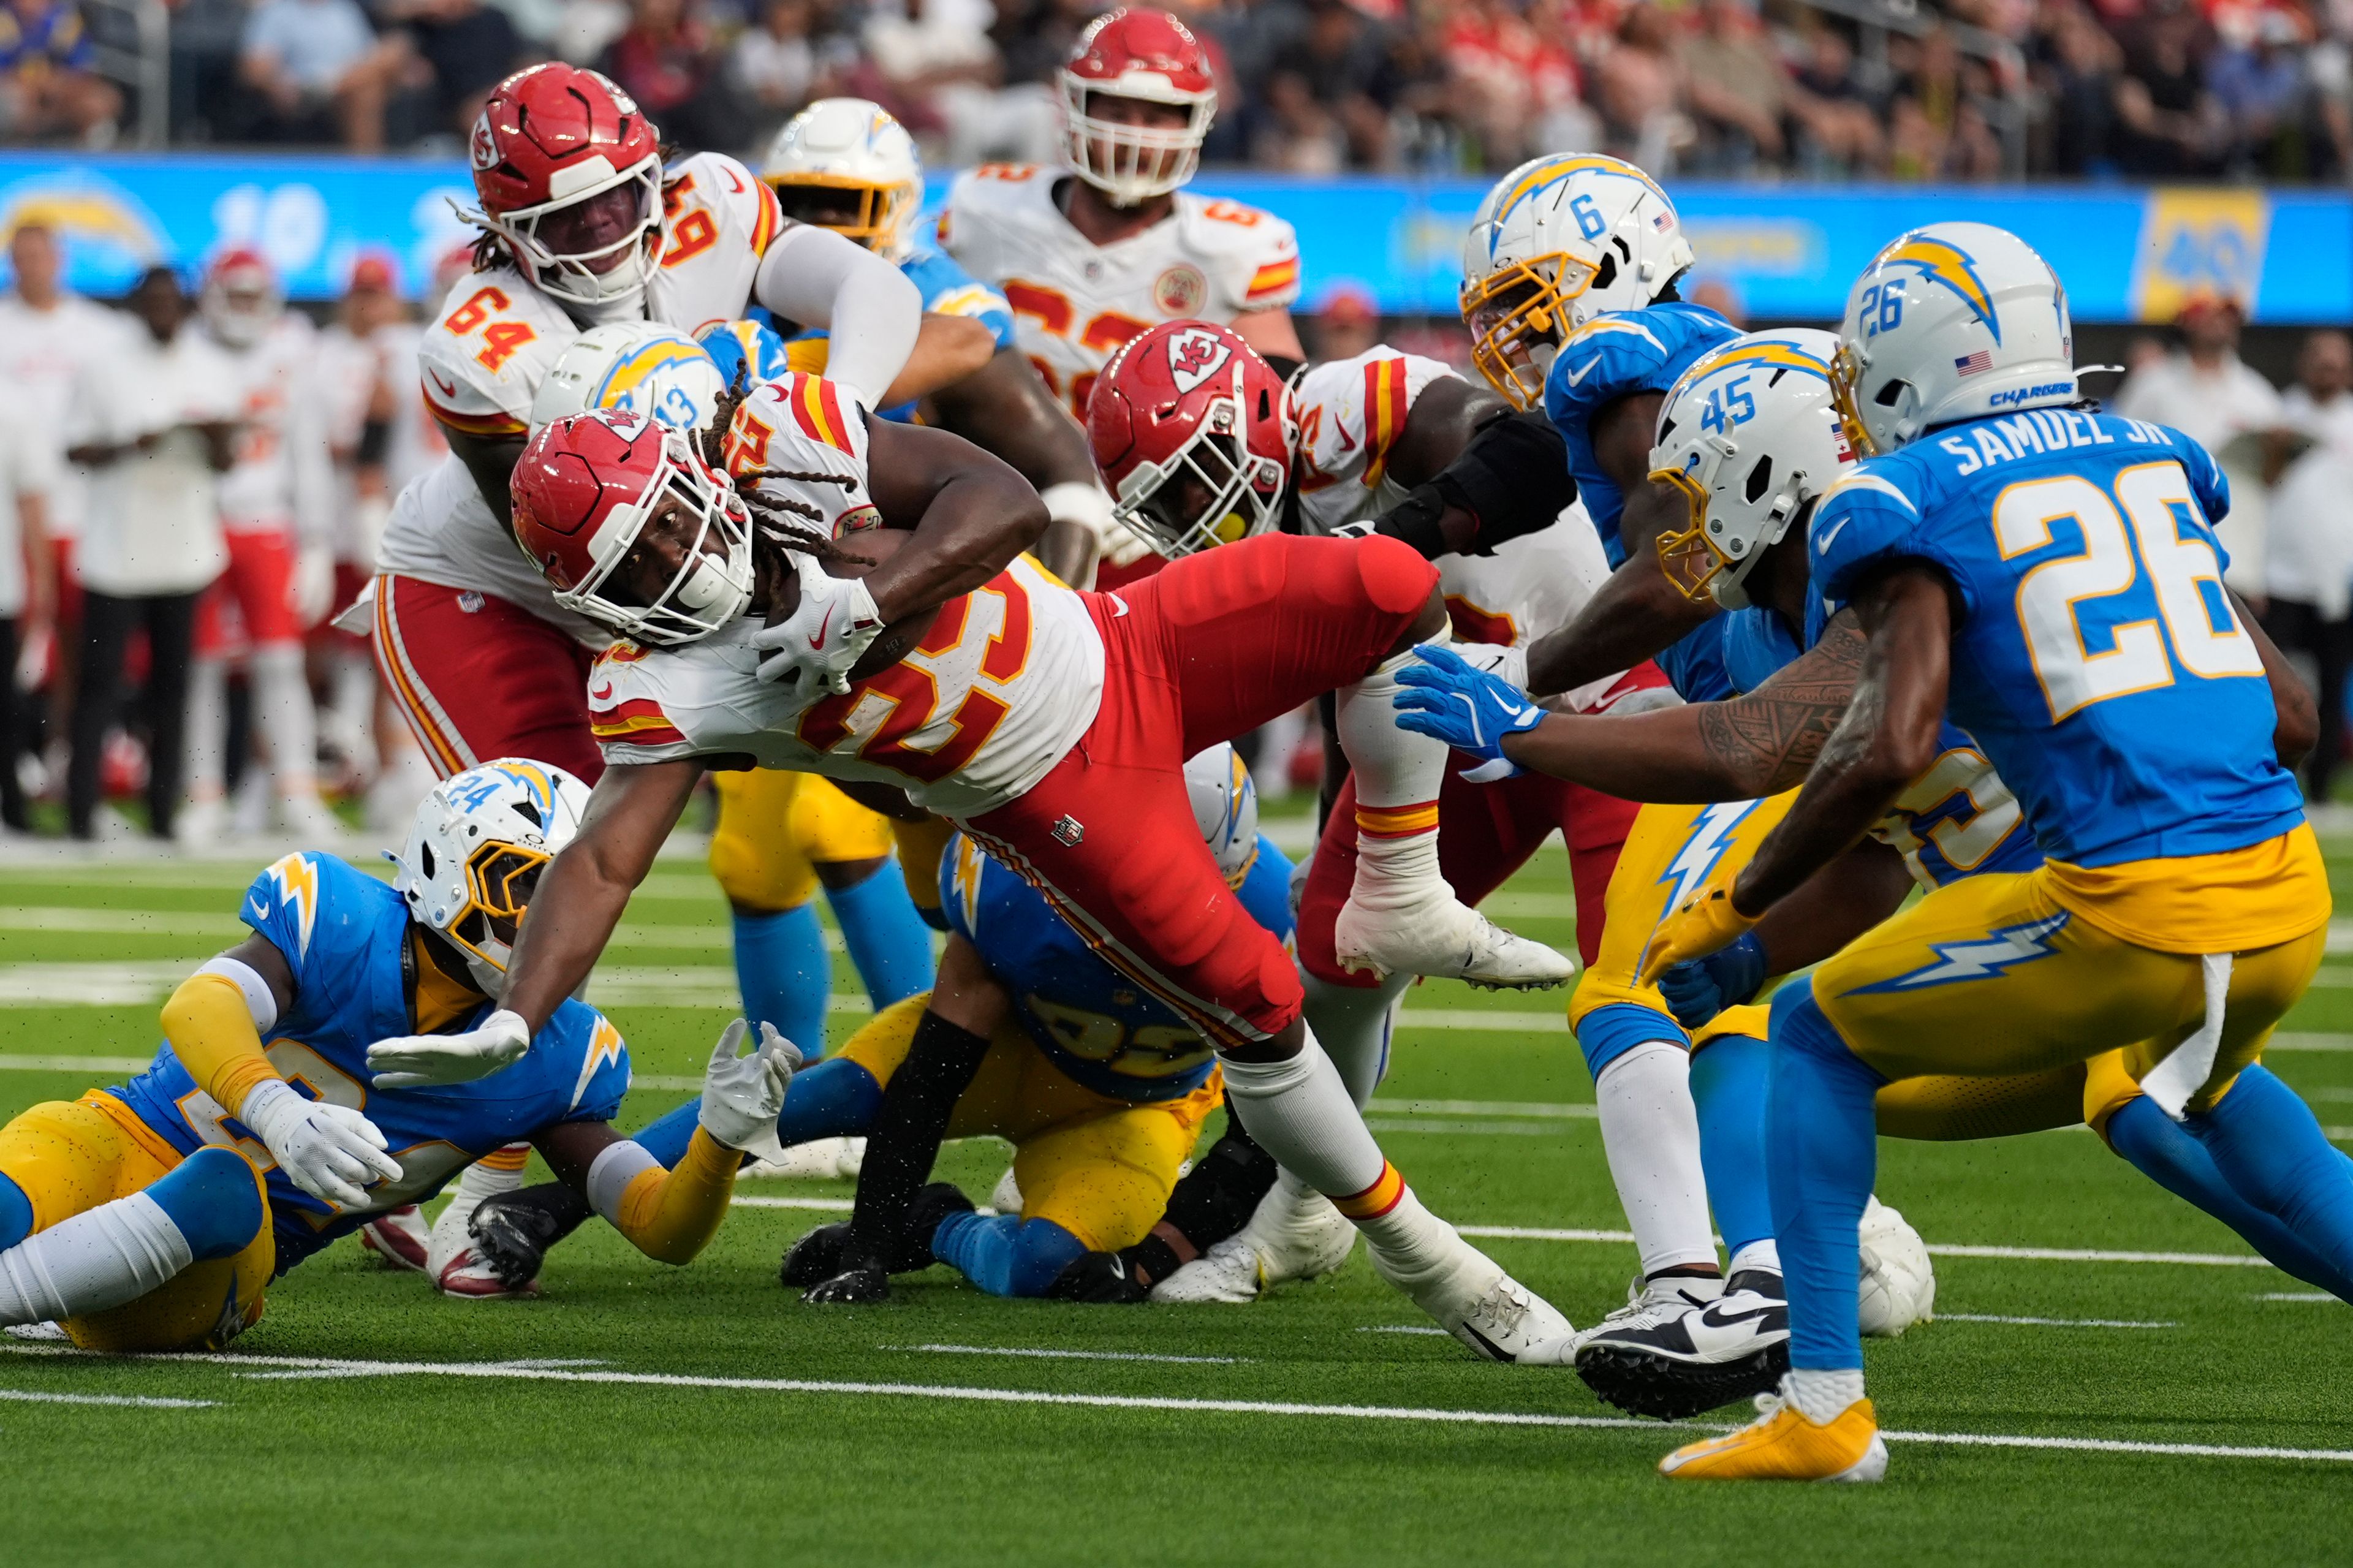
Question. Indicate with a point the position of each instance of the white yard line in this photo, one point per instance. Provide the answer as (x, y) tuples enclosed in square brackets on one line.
[(2048, 1322), (1405, 1329), (2296, 1296), (1073, 1355), (825, 1205), (494, 1370), (86, 1064), (137, 1402)]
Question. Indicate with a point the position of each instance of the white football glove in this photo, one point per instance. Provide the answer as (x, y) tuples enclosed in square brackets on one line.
[(418, 1061), (826, 633), (310, 592), (331, 1152), (742, 1096)]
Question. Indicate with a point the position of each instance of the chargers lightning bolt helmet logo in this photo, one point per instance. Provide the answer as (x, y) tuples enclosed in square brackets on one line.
[(1943, 262), (1998, 952)]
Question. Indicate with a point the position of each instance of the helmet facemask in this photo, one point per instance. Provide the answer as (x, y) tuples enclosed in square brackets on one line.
[(559, 267), (1130, 162), (708, 588), (1212, 490), (1518, 318), (500, 880)]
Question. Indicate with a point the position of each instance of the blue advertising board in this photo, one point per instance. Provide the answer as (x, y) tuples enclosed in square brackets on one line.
[(1786, 252)]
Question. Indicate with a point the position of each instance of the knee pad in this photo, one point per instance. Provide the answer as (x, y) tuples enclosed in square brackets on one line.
[(16, 1214)]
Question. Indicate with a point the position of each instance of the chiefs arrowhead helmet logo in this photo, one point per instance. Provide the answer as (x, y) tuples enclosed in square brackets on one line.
[(484, 143), (1195, 355)]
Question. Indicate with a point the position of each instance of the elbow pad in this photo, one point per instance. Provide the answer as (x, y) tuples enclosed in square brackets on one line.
[(1514, 477)]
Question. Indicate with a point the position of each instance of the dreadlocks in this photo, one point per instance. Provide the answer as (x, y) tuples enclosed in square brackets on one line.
[(781, 517)]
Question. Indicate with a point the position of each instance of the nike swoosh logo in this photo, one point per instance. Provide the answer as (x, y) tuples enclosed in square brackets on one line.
[(817, 641), (1115, 599), (1822, 543), (1716, 1318), (1575, 376), (601, 693), (448, 389), (260, 910)]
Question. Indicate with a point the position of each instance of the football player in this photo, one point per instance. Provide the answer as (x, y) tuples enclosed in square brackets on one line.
[(2051, 576), (581, 225), (1091, 254), (1051, 726), (1571, 291), (277, 504), (149, 1217)]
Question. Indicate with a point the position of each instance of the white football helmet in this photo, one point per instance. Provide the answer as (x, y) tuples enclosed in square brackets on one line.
[(1557, 242), (476, 851), (1896, 1287), (1951, 322), (1225, 804), (1749, 434), (843, 163), (655, 370)]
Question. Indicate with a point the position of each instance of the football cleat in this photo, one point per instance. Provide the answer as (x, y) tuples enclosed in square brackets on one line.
[(508, 1235), (1782, 1445), (819, 1159), (1471, 1298), (1427, 931), (460, 1270), (850, 1287), (1681, 1346), (1294, 1234), (816, 1256), (1230, 1272), (469, 1277), (399, 1236)]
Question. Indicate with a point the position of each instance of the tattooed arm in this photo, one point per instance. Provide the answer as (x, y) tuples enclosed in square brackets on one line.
[(1756, 745)]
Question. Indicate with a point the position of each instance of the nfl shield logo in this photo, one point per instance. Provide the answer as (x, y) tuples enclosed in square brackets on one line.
[(1066, 830)]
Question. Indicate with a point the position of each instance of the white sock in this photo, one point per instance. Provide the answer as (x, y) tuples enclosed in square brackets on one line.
[(1649, 1131), (282, 712), (1822, 1397), (497, 1173), (1299, 1111), (1765, 1254), (99, 1258), (207, 728), (1353, 1023), (1398, 775)]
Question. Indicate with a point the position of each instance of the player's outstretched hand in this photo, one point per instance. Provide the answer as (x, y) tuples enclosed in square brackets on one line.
[(1699, 988), (331, 1152), (1470, 709), (420, 1061), (1701, 924), (743, 1095), (826, 633)]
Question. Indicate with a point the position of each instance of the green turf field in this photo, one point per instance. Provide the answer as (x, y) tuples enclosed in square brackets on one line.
[(642, 1413)]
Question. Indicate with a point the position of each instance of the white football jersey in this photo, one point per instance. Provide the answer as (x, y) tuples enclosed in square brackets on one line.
[(282, 477), (1351, 413), (1075, 301), (999, 691), (497, 337)]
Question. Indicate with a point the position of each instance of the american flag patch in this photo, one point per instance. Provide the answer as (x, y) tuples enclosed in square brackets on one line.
[(1661, 221), (1969, 365)]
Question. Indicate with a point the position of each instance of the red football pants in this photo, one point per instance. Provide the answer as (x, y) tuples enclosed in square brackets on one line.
[(478, 678), (1211, 647)]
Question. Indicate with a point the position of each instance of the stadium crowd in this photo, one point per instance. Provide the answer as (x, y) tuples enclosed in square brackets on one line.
[(1955, 89)]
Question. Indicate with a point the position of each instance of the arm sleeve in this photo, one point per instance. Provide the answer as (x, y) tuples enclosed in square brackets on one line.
[(211, 1029), (870, 312), (669, 1215)]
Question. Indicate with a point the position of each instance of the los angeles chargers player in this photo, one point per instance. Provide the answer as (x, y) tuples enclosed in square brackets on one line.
[(1570, 290), (2053, 575), (1753, 473), (151, 1215)]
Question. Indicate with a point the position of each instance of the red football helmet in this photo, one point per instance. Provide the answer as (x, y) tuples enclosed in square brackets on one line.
[(242, 299), (587, 490), (1194, 433), (548, 143), (1142, 54)]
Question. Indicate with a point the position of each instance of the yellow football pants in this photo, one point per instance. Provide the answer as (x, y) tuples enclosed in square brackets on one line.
[(1991, 978), (71, 1156), (774, 827), (1101, 1168)]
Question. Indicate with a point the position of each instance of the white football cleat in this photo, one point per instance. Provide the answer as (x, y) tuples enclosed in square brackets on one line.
[(1230, 1273), (1471, 1297), (1425, 930), (819, 1159), (399, 1238), (1294, 1234), (1006, 1197), (467, 1278), (1898, 1284)]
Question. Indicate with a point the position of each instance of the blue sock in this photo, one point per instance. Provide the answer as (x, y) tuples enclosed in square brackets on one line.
[(16, 1214), (2269, 1147), (831, 1099), (888, 941), (781, 968), (214, 1200), (2163, 1151), (1826, 1153), (1005, 1255), (1728, 1079)]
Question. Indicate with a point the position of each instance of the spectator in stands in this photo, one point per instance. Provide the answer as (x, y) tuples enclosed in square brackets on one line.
[(320, 71), (939, 62), (1515, 86), (153, 540), (1839, 131), (2259, 87), (470, 49), (29, 469), (668, 61), (2171, 124), (47, 87), (1739, 90), (2207, 392), (1340, 60), (2079, 82), (2310, 569), (1643, 97), (775, 65)]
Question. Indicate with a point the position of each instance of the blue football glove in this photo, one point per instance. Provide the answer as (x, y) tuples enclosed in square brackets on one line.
[(1700, 988), (1469, 710)]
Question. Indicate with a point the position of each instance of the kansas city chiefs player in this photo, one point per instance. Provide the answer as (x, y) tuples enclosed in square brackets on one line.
[(1052, 725), (1202, 444), (581, 225)]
